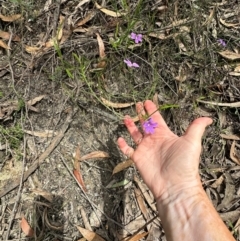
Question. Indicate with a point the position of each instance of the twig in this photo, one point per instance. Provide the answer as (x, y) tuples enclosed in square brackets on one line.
[(19, 191), (9, 62), (232, 105), (55, 142)]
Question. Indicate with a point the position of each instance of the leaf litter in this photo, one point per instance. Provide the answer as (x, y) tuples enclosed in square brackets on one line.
[(98, 23)]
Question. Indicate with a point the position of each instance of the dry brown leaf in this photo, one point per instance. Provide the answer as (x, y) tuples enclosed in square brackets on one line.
[(95, 154), (101, 64), (230, 137), (229, 55), (122, 166), (109, 12), (3, 45), (209, 19), (26, 227), (218, 4), (50, 43), (237, 68), (161, 36), (138, 236), (177, 23), (182, 74), (35, 100), (77, 156), (44, 134), (32, 49), (47, 195), (77, 170), (89, 17), (141, 203), (79, 178), (116, 105), (162, 8), (233, 154), (101, 46), (6, 35), (218, 182), (234, 73), (60, 27), (10, 18), (89, 235), (229, 25), (82, 30), (85, 219)]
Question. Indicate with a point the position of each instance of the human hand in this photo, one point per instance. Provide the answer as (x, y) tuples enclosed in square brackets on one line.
[(166, 162)]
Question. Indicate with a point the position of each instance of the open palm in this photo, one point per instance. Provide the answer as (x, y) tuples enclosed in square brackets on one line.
[(164, 160)]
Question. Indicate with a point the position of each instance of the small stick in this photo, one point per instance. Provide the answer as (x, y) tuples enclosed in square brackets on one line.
[(231, 105)]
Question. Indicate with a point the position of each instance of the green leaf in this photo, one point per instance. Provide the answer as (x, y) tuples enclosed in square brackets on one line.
[(120, 184)]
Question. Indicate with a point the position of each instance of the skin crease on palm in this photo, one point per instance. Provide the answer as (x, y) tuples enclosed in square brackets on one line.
[(169, 166)]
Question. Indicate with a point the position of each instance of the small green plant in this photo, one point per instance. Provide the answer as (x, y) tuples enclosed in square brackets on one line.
[(67, 67), (11, 135)]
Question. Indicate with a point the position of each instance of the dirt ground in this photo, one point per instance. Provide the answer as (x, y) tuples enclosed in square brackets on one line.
[(63, 83)]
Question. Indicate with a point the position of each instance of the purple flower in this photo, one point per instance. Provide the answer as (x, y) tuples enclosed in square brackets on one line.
[(136, 37), (130, 64), (149, 125), (222, 42)]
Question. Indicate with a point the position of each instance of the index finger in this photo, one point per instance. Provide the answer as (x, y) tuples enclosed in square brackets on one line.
[(151, 108)]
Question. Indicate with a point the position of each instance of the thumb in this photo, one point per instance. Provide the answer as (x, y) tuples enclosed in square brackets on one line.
[(196, 129)]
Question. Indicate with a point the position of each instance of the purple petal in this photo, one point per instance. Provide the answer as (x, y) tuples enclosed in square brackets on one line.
[(128, 62), (138, 38), (133, 36), (135, 65), (222, 42)]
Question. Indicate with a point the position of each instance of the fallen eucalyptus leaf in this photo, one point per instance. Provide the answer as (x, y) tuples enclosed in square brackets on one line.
[(138, 236), (89, 235), (95, 154), (29, 232), (3, 45), (120, 184), (10, 18), (109, 12), (122, 166), (116, 105), (229, 55)]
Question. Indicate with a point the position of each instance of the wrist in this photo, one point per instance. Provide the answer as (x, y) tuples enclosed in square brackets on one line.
[(178, 209), (187, 214), (182, 196)]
